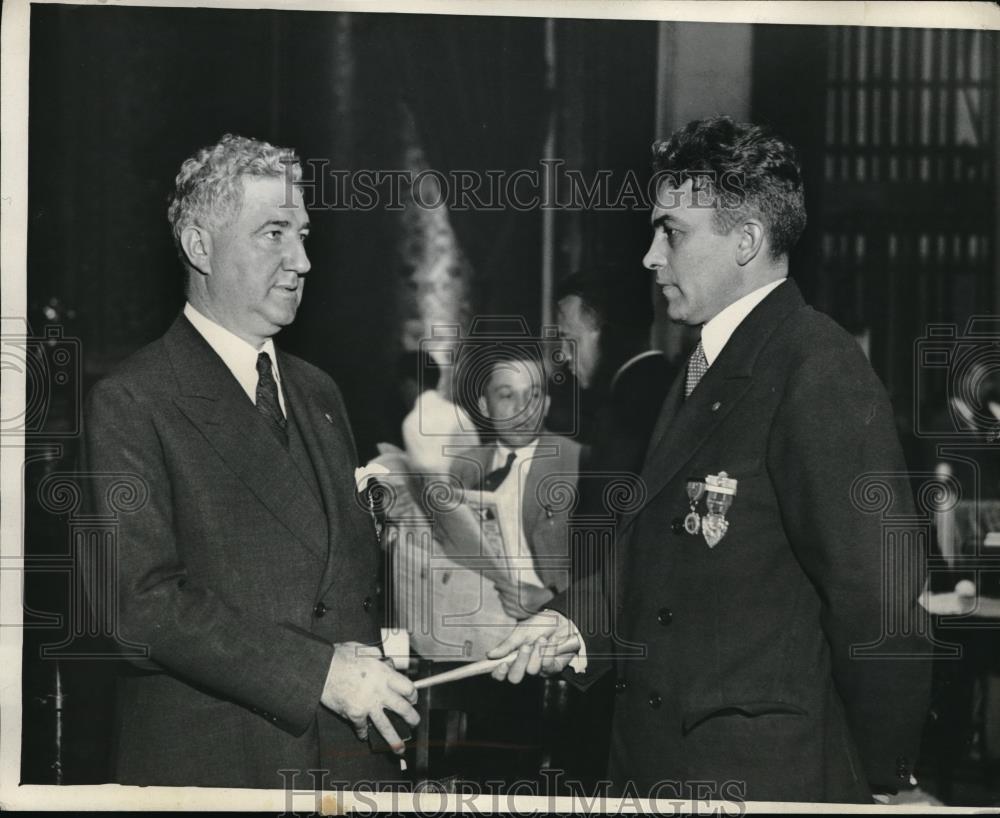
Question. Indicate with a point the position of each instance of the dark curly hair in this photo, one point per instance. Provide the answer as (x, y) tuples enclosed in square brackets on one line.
[(745, 168)]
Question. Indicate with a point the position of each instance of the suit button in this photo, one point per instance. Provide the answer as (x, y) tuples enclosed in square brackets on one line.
[(367, 604), (664, 615), (655, 700), (902, 767), (319, 610), (677, 526), (620, 686)]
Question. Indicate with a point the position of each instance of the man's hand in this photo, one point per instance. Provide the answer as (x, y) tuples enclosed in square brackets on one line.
[(361, 683), (519, 599), (545, 643)]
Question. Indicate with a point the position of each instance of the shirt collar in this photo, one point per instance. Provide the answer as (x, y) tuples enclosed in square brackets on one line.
[(238, 356), (717, 332), (501, 452)]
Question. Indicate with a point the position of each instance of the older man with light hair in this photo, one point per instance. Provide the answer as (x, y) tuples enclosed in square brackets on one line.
[(250, 574)]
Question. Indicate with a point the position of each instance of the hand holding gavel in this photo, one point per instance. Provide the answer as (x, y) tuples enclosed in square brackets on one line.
[(544, 643)]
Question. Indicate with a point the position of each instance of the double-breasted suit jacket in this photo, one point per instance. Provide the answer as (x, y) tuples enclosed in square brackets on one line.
[(245, 564), (765, 661)]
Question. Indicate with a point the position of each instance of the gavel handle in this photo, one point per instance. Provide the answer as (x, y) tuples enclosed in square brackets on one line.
[(482, 667)]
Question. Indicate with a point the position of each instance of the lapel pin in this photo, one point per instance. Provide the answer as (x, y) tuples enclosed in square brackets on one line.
[(721, 489), (328, 416), (716, 406)]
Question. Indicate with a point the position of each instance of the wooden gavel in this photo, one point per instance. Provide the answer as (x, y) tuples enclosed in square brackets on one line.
[(483, 666), (480, 668)]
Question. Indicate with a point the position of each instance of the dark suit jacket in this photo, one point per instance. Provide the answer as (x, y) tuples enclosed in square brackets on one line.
[(221, 570), (745, 670), (549, 480)]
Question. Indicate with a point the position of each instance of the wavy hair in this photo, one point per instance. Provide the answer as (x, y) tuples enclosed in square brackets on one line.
[(745, 168), (208, 189)]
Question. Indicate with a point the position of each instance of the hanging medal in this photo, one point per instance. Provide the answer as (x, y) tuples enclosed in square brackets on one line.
[(721, 489), (692, 522)]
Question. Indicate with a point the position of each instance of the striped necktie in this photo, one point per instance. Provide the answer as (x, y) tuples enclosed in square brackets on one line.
[(267, 399)]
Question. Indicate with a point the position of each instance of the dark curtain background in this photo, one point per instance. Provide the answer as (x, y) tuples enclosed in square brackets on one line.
[(476, 88)]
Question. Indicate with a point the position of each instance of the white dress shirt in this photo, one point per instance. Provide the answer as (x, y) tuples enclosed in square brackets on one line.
[(510, 505), (716, 333), (238, 356)]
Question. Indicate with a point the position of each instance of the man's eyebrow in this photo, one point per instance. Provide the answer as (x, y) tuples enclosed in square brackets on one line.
[(664, 218), (283, 223)]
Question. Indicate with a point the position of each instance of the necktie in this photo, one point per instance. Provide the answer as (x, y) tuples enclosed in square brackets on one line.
[(493, 480), (267, 399), (697, 367)]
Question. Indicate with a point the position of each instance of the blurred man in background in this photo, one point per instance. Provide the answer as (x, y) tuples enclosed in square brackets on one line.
[(604, 316)]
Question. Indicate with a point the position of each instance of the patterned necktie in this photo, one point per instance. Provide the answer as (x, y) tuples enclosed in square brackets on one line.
[(267, 399), (697, 367), (493, 480)]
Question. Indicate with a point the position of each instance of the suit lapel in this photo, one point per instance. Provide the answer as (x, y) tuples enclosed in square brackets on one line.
[(539, 465), (549, 459), (545, 460), (334, 461), (216, 405), (684, 426), (687, 431), (671, 406)]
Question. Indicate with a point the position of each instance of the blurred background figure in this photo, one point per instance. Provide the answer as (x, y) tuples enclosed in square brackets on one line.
[(497, 557), (514, 468), (604, 316)]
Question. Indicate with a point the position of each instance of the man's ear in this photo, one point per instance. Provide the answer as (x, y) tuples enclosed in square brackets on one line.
[(545, 408), (481, 403), (197, 245), (750, 243)]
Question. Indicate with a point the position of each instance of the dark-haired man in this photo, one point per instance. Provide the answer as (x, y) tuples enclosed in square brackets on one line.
[(753, 582)]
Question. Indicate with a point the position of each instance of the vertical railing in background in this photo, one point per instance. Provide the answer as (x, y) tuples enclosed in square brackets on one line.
[(995, 68), (910, 196)]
